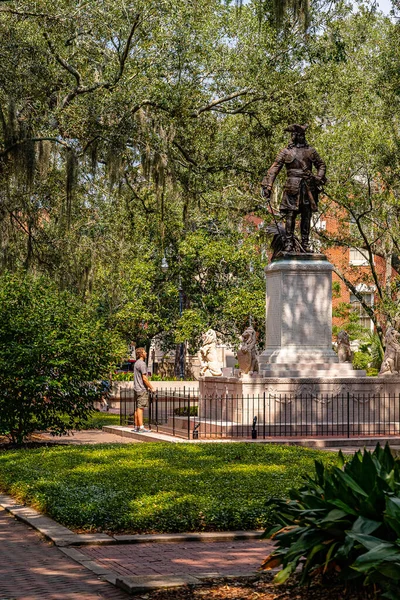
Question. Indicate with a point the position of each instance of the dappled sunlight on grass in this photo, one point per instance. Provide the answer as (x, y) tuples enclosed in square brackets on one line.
[(155, 487), (104, 468), (149, 505), (251, 470)]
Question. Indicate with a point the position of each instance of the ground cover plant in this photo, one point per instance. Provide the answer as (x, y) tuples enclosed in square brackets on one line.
[(156, 487), (99, 419), (344, 520)]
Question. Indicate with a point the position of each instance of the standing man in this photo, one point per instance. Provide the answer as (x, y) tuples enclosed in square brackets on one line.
[(141, 384), (302, 186)]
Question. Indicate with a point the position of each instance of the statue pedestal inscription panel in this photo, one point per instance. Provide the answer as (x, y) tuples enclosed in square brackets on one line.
[(299, 311)]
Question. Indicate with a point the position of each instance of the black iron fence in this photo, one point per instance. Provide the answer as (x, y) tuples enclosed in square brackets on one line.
[(169, 411), (185, 414)]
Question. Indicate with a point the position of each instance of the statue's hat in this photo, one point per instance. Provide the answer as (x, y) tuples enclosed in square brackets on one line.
[(296, 128)]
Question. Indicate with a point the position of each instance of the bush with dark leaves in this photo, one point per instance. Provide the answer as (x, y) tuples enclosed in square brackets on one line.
[(345, 519)]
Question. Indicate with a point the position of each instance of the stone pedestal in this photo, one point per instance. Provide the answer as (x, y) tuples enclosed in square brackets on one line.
[(299, 311)]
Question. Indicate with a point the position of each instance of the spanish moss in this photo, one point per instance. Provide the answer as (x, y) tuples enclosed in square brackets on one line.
[(71, 181)]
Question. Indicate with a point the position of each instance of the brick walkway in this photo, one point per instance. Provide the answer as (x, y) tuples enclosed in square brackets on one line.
[(32, 569), (190, 558)]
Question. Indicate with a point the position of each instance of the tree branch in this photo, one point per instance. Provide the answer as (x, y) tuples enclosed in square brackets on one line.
[(357, 218), (3, 120), (368, 309), (370, 254), (136, 195), (36, 139), (61, 61), (23, 13), (125, 53), (81, 89), (214, 103), (184, 153), (241, 109), (90, 142)]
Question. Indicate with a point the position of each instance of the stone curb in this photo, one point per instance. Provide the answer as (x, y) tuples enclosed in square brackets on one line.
[(318, 443), (152, 436), (58, 534), (63, 537), (91, 565), (135, 585), (212, 536)]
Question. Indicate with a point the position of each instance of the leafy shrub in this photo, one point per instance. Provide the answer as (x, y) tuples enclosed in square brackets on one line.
[(373, 345), (128, 376), (156, 377), (98, 419), (370, 354), (182, 411), (371, 372), (361, 360), (346, 520), (52, 349)]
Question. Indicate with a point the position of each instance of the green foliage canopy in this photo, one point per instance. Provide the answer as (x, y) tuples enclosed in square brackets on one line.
[(127, 129)]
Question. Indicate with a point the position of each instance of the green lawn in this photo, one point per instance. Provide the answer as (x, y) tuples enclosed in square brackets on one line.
[(99, 418), (155, 487)]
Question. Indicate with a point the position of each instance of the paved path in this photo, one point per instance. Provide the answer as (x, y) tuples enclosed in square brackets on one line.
[(32, 569), (189, 558), (89, 436)]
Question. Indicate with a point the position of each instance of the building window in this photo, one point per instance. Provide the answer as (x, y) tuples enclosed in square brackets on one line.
[(357, 307), (357, 257), (320, 224)]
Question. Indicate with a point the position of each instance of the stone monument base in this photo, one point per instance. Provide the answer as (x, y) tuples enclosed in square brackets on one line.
[(311, 369), (300, 406), (299, 312)]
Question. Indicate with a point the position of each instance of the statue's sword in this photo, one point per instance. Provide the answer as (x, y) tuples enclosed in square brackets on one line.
[(310, 176)]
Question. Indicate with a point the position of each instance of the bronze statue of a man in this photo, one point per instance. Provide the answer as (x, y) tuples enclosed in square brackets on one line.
[(302, 186)]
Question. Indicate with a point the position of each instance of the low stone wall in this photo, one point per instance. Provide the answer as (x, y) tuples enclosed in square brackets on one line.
[(299, 406), (249, 385)]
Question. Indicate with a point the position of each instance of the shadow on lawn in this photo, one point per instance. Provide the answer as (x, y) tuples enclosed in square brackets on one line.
[(155, 487)]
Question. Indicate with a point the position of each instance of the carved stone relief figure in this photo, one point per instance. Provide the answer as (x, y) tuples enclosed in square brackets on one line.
[(343, 344), (209, 363), (247, 354), (391, 359)]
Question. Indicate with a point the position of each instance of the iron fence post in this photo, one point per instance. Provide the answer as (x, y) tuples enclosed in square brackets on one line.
[(348, 414), (173, 412), (264, 415), (120, 407), (156, 400), (150, 410), (188, 423)]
